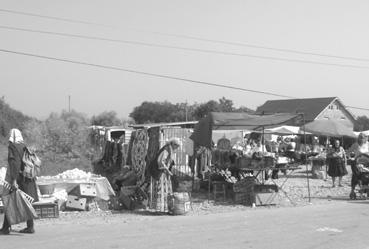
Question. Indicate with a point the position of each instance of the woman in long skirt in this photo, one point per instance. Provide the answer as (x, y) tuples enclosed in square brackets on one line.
[(16, 179), (162, 184), (337, 163)]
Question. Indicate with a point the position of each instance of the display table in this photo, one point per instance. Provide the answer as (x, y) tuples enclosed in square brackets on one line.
[(103, 187), (257, 171)]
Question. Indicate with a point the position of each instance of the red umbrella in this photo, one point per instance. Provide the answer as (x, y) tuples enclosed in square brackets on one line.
[(328, 127)]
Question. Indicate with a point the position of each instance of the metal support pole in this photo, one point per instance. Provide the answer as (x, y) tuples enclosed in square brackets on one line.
[(306, 165)]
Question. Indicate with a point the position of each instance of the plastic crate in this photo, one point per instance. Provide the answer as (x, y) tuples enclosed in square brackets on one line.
[(46, 210)]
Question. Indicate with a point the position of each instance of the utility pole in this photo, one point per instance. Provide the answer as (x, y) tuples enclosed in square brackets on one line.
[(186, 112), (69, 103)]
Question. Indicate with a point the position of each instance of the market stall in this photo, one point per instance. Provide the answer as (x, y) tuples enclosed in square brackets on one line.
[(74, 189), (222, 155)]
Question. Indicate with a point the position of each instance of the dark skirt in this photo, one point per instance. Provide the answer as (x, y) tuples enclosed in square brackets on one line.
[(336, 167), (28, 186)]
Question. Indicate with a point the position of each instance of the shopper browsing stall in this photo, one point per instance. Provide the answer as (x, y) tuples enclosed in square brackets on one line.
[(160, 171)]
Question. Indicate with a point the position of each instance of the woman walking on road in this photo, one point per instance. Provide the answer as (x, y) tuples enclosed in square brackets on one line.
[(16, 179)]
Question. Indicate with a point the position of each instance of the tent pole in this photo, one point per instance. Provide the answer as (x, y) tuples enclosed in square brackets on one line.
[(326, 152), (306, 165), (262, 149)]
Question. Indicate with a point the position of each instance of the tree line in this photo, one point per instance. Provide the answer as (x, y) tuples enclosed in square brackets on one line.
[(65, 136)]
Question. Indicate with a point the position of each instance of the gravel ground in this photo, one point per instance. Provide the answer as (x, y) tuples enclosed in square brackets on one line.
[(295, 193)]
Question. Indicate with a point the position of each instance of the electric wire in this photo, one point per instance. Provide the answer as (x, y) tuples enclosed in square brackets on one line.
[(190, 37), (209, 51), (142, 73), (157, 75)]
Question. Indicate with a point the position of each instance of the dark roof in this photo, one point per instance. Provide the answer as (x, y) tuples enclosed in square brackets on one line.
[(310, 107), (202, 134), (184, 124)]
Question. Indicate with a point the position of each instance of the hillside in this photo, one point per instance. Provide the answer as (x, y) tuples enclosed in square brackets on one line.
[(9, 118)]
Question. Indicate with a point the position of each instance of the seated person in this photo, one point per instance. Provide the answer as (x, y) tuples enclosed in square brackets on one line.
[(258, 150)]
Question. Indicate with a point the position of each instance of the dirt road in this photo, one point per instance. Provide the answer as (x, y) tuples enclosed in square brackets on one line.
[(337, 224)]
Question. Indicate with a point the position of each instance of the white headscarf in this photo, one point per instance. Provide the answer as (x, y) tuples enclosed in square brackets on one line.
[(15, 136)]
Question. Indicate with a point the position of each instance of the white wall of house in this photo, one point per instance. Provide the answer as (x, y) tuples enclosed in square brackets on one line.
[(336, 111)]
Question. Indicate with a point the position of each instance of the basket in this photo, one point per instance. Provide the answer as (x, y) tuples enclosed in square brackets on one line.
[(179, 203), (46, 189)]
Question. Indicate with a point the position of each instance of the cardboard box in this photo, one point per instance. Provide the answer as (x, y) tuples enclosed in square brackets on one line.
[(75, 202), (87, 189)]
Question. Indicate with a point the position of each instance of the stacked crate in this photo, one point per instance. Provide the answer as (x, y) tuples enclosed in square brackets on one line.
[(243, 191)]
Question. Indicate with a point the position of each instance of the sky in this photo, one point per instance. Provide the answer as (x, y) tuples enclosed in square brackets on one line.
[(38, 86)]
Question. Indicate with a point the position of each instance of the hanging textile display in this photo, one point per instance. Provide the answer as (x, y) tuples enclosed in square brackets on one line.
[(154, 144), (139, 152), (129, 153)]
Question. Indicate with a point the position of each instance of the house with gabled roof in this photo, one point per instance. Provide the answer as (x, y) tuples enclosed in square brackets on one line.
[(313, 109)]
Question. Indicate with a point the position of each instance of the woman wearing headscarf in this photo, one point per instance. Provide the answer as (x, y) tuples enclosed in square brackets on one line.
[(15, 177), (160, 171), (360, 147), (337, 163)]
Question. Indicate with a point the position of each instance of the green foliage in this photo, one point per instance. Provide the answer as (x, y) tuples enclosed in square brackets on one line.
[(62, 141), (362, 123), (223, 105), (10, 118), (157, 112), (67, 133), (106, 119)]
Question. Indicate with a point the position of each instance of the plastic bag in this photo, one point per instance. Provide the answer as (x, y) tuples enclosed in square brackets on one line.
[(17, 208)]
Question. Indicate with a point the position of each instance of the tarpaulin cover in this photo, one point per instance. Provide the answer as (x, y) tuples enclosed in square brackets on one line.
[(235, 121), (328, 127)]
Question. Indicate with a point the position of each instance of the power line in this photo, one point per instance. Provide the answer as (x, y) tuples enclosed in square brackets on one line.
[(142, 73), (184, 48), (54, 18), (191, 37), (155, 75), (358, 108)]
